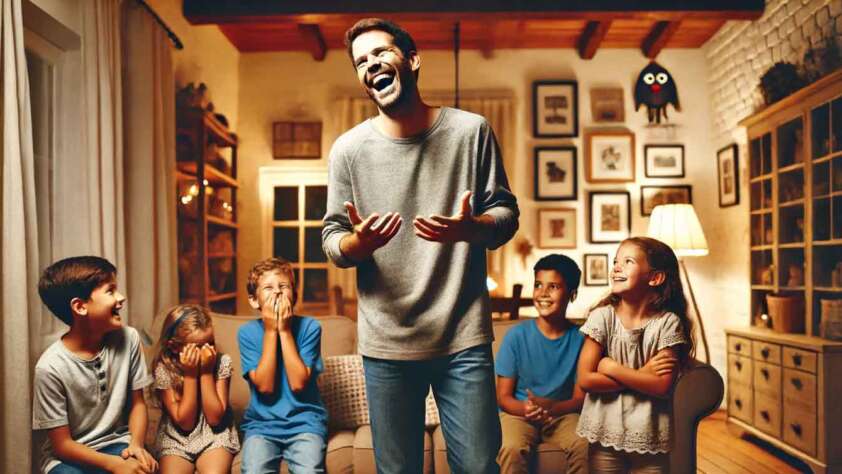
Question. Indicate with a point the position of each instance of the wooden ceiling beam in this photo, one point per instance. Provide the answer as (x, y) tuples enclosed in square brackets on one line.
[(313, 11), (313, 39), (592, 37), (658, 37)]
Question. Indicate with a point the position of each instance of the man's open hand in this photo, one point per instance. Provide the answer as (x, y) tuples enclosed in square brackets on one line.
[(370, 233), (460, 227)]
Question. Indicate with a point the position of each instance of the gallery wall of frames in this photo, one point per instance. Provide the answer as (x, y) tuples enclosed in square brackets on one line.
[(604, 182)]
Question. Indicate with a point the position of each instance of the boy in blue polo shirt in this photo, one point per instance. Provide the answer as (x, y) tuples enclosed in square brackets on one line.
[(281, 360), (537, 392)]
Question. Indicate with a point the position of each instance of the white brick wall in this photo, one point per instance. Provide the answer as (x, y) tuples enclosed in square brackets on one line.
[(736, 57), (742, 51)]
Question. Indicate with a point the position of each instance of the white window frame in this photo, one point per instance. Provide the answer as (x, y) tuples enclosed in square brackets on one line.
[(300, 177)]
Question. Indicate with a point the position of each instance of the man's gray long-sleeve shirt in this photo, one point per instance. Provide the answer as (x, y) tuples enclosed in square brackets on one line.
[(420, 299)]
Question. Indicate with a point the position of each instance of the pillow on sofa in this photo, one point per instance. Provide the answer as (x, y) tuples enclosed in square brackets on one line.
[(342, 386)]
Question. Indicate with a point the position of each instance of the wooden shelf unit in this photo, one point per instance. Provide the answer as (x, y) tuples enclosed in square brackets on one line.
[(207, 211), (781, 386), (795, 181)]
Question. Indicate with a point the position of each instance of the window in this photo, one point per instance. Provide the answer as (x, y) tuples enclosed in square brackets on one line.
[(297, 204), (41, 58), (53, 60)]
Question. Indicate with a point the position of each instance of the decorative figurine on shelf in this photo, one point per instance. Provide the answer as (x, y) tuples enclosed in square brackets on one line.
[(766, 275), (796, 275), (655, 88), (836, 276)]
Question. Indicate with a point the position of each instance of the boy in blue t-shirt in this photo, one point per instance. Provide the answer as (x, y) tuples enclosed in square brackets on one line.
[(536, 374), (281, 360)]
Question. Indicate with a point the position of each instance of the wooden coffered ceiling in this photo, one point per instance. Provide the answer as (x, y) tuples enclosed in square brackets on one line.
[(319, 25)]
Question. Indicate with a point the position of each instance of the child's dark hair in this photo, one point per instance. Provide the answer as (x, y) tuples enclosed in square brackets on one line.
[(402, 39), (269, 265), (74, 277), (670, 293), (565, 266), (181, 320)]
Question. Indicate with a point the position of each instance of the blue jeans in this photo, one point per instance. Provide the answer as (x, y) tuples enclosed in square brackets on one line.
[(304, 453), (463, 385), (71, 468)]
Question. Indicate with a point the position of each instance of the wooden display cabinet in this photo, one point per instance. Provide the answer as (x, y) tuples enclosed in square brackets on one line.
[(781, 386), (795, 193), (207, 185)]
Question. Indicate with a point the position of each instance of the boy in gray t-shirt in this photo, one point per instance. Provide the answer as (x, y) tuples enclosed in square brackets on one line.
[(88, 391)]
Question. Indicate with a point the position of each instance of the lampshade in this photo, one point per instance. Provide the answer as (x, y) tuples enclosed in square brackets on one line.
[(678, 226)]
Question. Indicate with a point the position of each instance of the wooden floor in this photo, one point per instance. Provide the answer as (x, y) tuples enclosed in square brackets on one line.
[(719, 451)]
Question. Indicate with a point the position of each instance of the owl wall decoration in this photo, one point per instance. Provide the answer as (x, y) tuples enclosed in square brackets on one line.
[(655, 88)]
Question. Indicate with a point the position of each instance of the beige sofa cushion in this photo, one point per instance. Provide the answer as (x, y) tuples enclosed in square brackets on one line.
[(364, 452), (342, 385)]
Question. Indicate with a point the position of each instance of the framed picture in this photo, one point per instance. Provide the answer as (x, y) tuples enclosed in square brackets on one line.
[(296, 140), (651, 196), (555, 173), (596, 269), (727, 171), (610, 157), (555, 109), (610, 216), (664, 161), (557, 228), (607, 104)]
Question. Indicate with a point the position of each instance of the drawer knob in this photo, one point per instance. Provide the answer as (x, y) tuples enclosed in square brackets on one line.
[(765, 352), (796, 359), (765, 415), (738, 403), (765, 373), (738, 365), (797, 383), (738, 347), (796, 428)]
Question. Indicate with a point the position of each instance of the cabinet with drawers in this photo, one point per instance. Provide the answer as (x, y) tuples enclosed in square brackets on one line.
[(786, 389)]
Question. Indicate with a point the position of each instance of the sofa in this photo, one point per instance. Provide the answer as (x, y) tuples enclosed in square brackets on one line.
[(698, 393)]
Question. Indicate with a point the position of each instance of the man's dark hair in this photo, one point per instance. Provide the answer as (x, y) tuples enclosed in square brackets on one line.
[(565, 266), (74, 277), (402, 39)]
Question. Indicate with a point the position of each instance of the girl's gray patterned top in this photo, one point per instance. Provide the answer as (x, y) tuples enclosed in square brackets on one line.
[(628, 420)]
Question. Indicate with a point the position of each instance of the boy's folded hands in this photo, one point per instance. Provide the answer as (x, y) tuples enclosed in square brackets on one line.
[(137, 460), (537, 408)]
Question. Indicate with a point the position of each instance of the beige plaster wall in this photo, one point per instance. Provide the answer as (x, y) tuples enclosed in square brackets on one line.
[(207, 57)]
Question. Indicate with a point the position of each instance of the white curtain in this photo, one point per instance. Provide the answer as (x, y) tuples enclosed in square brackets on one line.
[(19, 266), (496, 106), (101, 78), (149, 106)]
